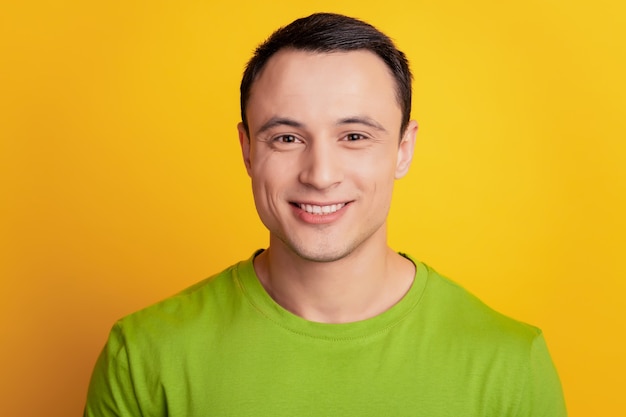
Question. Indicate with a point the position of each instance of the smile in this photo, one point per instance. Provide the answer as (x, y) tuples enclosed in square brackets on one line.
[(320, 210)]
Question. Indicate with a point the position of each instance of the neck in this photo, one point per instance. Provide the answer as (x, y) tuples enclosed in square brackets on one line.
[(361, 285)]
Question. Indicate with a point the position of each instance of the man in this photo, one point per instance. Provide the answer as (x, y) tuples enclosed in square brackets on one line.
[(328, 320)]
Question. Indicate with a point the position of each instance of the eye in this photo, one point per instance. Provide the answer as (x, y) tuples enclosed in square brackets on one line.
[(286, 139), (351, 137)]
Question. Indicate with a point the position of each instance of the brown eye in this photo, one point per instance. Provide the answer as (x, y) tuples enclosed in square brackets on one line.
[(354, 136), (286, 139)]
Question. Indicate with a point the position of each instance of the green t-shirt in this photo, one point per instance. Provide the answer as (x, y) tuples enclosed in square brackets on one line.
[(224, 348)]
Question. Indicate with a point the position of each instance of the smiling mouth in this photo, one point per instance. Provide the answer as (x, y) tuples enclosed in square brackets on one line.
[(320, 210)]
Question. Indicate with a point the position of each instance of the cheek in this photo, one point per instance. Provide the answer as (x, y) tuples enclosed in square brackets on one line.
[(275, 168), (265, 173), (269, 181), (375, 171), (381, 183)]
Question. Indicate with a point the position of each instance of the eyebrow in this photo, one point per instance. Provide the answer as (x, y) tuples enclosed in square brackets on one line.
[(278, 121), (364, 120), (285, 121)]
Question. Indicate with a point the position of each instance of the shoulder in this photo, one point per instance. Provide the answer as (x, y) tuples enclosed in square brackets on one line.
[(180, 316), (452, 311), (505, 357)]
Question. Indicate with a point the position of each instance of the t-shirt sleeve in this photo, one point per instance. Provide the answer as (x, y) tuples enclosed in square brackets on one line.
[(543, 395), (111, 392)]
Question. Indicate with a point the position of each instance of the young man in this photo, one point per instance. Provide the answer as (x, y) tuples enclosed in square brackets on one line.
[(328, 320)]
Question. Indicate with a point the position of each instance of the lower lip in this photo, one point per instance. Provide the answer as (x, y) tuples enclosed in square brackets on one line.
[(319, 218)]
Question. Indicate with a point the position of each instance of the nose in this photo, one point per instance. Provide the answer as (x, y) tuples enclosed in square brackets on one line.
[(321, 167)]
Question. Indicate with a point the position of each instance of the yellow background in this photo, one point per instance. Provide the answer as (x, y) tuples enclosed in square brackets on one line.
[(121, 181)]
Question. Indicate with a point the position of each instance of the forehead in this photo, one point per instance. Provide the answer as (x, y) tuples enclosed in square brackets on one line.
[(321, 85)]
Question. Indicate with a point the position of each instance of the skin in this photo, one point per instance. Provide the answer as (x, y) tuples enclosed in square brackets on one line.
[(325, 137)]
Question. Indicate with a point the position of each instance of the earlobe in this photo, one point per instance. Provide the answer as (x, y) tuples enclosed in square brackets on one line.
[(244, 142), (405, 150)]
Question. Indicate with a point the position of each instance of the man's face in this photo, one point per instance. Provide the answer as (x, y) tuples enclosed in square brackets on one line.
[(324, 150)]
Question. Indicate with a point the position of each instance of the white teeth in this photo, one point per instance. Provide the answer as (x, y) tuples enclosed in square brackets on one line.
[(313, 209)]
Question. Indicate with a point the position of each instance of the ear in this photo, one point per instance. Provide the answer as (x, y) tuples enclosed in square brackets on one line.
[(244, 142), (405, 149)]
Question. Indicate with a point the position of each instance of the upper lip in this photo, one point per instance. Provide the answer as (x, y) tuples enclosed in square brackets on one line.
[(316, 203)]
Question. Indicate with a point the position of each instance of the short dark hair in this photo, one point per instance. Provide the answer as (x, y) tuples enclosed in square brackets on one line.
[(325, 33)]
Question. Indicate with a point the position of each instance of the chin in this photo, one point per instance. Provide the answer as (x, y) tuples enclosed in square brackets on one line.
[(321, 257), (323, 254)]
